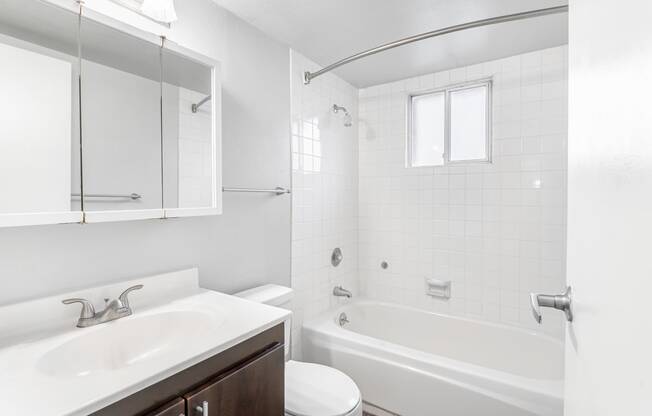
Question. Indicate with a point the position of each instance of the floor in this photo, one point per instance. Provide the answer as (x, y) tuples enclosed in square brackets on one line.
[(368, 408), (380, 413)]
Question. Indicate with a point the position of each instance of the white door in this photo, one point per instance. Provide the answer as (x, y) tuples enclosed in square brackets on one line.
[(609, 344)]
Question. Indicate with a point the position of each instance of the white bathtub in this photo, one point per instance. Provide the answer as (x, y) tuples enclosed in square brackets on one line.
[(416, 363)]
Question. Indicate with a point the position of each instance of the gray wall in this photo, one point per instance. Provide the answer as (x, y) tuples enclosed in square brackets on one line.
[(248, 245)]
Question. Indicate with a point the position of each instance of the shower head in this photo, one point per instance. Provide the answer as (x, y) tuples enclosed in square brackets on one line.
[(348, 120)]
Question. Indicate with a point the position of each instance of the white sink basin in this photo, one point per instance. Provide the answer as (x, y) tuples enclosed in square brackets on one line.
[(127, 342)]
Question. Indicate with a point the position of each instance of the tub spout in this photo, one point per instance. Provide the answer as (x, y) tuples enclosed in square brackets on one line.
[(341, 292)]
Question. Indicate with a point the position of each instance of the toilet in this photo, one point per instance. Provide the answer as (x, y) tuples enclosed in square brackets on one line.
[(310, 389)]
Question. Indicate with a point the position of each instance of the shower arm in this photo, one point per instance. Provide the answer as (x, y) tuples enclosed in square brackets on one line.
[(195, 107), (309, 76), (347, 117), (338, 108)]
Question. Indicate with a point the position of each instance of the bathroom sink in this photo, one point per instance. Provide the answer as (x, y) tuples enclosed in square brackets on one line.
[(175, 325), (127, 342)]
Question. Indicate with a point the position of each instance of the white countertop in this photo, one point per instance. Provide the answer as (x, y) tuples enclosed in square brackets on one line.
[(32, 384)]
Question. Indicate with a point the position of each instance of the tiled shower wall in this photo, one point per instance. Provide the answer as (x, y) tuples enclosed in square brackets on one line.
[(195, 149), (325, 192), (497, 231)]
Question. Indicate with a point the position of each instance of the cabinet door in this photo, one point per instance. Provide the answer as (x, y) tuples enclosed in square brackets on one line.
[(174, 408), (255, 388)]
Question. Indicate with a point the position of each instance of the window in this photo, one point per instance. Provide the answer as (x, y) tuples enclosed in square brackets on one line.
[(428, 127), (451, 125)]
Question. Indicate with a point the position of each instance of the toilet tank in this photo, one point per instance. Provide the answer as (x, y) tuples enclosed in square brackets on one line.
[(273, 295)]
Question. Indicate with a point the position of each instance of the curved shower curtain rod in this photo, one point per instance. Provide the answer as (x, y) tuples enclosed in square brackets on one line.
[(309, 76)]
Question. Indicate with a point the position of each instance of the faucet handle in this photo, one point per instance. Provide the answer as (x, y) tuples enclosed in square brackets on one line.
[(124, 297), (88, 311), (534, 305)]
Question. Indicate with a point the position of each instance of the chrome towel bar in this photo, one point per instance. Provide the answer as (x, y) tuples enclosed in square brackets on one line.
[(133, 196), (278, 190)]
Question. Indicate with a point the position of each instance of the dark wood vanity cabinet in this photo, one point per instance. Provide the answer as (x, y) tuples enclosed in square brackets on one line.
[(245, 391), (175, 408), (245, 380)]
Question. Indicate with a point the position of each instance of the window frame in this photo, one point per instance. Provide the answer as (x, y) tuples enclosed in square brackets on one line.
[(447, 90)]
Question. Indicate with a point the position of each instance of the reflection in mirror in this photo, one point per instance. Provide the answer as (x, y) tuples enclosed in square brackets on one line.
[(188, 148), (121, 120), (39, 104)]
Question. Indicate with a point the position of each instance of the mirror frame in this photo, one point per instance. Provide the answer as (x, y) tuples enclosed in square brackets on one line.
[(46, 218)]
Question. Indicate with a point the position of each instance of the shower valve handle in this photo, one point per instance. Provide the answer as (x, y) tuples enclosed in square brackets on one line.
[(562, 302)]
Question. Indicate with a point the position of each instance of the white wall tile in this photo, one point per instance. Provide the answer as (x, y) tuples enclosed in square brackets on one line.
[(325, 189), (496, 230)]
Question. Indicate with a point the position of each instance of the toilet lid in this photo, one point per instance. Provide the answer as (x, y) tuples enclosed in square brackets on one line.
[(318, 390)]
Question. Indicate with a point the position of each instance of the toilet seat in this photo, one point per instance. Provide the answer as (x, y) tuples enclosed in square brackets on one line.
[(318, 390)]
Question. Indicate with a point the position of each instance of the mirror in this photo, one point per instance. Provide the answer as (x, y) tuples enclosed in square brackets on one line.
[(188, 133), (121, 122), (100, 121), (39, 114)]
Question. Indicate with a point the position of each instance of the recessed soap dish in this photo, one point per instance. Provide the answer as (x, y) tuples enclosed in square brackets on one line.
[(438, 288)]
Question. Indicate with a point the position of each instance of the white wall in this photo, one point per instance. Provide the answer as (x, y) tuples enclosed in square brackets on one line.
[(324, 201), (248, 245), (497, 231)]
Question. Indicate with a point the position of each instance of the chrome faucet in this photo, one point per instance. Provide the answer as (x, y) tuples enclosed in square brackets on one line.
[(115, 309), (341, 292)]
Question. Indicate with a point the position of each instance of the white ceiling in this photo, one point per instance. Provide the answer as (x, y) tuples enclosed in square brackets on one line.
[(328, 30)]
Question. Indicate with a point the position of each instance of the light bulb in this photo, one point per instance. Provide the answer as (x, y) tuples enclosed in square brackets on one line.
[(160, 10)]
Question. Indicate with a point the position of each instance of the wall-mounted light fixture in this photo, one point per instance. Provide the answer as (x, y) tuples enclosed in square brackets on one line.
[(161, 11)]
